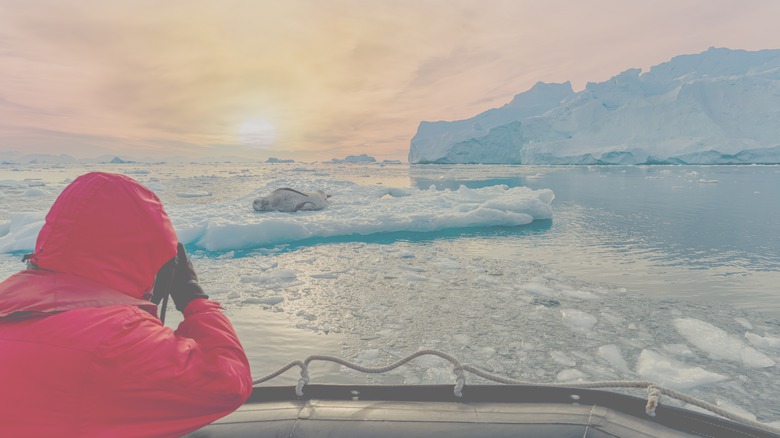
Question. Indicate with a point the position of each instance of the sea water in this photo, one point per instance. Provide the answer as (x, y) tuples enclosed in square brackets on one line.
[(663, 273)]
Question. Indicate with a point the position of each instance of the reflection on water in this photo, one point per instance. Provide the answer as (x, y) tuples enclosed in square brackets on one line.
[(423, 183), (701, 232)]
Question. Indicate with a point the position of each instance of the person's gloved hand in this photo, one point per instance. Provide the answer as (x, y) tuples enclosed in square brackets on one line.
[(185, 287)]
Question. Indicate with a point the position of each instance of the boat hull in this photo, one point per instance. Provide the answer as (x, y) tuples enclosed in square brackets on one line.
[(483, 410)]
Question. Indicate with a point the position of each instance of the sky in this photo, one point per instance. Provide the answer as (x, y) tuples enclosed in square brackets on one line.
[(312, 80)]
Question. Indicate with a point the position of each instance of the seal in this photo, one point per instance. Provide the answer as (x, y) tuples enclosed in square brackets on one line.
[(290, 200)]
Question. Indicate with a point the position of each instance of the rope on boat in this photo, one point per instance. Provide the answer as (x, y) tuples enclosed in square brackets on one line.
[(653, 398)]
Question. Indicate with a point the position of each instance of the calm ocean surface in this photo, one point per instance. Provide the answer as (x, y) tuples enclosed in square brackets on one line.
[(704, 233)]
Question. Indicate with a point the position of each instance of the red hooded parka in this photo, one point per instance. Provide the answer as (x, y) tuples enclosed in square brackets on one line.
[(82, 353)]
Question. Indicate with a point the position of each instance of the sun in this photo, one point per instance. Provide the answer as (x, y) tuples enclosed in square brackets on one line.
[(257, 133)]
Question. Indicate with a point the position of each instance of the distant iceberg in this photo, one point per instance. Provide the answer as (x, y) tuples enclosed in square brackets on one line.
[(354, 159), (716, 107), (274, 160), (118, 160)]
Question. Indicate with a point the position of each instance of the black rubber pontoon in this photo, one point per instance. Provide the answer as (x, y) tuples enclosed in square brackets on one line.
[(483, 410)]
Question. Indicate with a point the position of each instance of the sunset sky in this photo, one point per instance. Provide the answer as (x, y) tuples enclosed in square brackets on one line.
[(314, 80)]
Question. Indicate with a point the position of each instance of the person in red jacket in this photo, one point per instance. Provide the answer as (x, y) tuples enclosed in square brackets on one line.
[(82, 352)]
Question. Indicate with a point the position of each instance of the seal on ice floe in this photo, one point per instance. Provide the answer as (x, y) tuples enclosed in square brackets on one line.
[(286, 199)]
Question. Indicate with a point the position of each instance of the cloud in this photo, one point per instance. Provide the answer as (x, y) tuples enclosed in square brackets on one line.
[(329, 76)]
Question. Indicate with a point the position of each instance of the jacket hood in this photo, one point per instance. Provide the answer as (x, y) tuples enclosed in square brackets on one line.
[(110, 229)]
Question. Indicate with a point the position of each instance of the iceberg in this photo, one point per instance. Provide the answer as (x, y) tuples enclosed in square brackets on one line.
[(715, 107), (354, 159)]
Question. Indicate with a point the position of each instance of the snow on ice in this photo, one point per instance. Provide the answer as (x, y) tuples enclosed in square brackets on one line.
[(715, 107)]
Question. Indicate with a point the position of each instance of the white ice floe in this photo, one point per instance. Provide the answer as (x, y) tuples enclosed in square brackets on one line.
[(35, 191), (354, 211), (744, 322), (672, 373), (570, 375), (199, 194), (611, 353), (578, 294), (764, 342), (718, 344), (21, 232), (563, 358), (578, 319), (538, 289), (362, 212), (680, 351)]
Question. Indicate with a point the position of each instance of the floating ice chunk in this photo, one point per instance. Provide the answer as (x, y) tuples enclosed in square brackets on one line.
[(745, 323), (707, 181), (225, 236), (394, 192), (538, 289), (719, 344), (563, 358), (570, 375), (679, 350), (578, 294), (577, 319), (672, 373), (267, 265), (360, 211), (271, 301), (34, 191), (763, 341), (21, 232), (194, 194), (611, 353)]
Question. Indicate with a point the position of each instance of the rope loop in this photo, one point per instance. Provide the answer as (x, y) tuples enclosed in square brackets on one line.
[(302, 381), (460, 381), (653, 400)]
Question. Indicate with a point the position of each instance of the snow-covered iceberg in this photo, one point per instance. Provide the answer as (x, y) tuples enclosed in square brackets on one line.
[(716, 107)]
